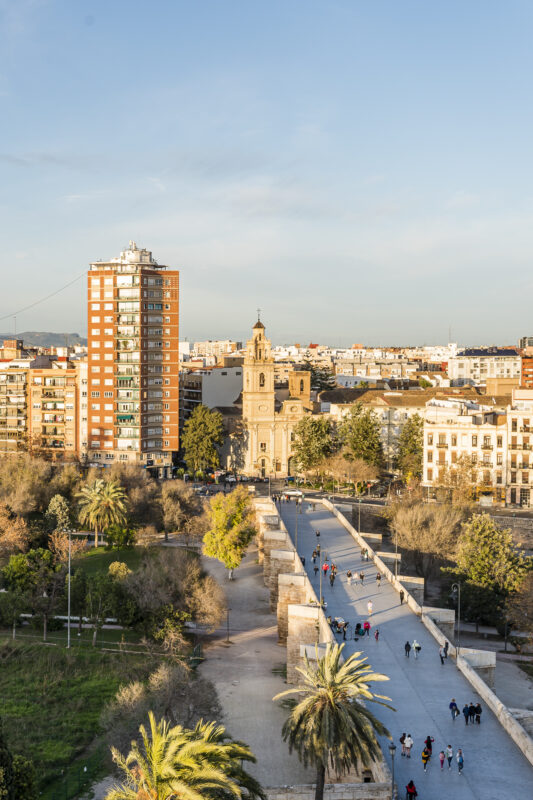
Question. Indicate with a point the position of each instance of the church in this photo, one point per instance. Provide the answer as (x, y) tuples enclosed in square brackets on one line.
[(261, 440)]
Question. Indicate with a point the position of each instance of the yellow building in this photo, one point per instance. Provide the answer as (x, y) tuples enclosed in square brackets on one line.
[(270, 413)]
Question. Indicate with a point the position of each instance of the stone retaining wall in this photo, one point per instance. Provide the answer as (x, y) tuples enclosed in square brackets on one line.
[(332, 791)]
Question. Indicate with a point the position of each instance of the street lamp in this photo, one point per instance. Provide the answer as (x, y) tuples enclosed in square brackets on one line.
[(456, 587), (296, 526), (392, 751)]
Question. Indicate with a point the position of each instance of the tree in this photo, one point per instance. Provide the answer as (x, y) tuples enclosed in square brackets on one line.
[(143, 492), (314, 440), (343, 468), (14, 533), (58, 544), (488, 557), (322, 378), (520, 607), (201, 434), (361, 435), (411, 447), (102, 504), (330, 725), (232, 527), (189, 764), (58, 513), (37, 574), (12, 605), (24, 779), (458, 481), (120, 537), (180, 506), (429, 532), (99, 601), (7, 788)]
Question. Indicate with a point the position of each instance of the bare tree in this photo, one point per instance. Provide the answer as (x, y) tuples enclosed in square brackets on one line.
[(428, 532), (58, 544), (14, 533)]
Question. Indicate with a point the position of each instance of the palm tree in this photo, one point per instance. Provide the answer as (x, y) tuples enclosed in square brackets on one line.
[(176, 763), (330, 725), (101, 504)]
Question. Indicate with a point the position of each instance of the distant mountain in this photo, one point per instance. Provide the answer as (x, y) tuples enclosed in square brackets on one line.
[(46, 338)]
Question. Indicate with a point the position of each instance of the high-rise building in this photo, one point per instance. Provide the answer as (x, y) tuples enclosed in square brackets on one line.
[(133, 360)]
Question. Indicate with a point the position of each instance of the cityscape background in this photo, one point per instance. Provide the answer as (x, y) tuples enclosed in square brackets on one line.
[(360, 171)]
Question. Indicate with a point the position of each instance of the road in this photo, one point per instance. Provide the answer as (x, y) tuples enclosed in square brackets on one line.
[(420, 689)]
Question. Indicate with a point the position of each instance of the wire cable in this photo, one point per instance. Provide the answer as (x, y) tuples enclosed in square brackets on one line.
[(43, 299)]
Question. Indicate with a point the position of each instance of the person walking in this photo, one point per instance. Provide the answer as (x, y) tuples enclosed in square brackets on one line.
[(402, 742), (331, 578), (446, 646), (314, 555), (466, 712), (369, 607), (416, 648), (410, 791), (378, 580), (317, 534), (366, 627), (426, 755), (471, 712), (454, 711), (442, 656), (349, 578), (449, 755), (408, 745), (344, 630), (318, 550), (407, 648), (429, 744), (478, 713), (362, 578), (460, 761), (441, 759), (376, 635), (325, 568), (402, 595), (315, 569)]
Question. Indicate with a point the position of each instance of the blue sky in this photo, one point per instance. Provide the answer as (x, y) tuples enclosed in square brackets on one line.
[(362, 171)]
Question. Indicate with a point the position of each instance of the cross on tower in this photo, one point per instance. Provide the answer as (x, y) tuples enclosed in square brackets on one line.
[(259, 315)]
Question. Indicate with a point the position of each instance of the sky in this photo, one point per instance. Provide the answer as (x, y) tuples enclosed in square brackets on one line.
[(361, 171)]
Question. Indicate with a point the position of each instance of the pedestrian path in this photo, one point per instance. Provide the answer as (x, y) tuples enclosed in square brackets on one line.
[(420, 689)]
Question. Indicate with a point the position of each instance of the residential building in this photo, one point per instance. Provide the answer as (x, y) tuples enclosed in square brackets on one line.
[(525, 341), (217, 348), (133, 358), (526, 376), (474, 366), (218, 386), (83, 406), (53, 406), (13, 407), (520, 446), (459, 432)]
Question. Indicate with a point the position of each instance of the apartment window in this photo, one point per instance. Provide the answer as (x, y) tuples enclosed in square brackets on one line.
[(473, 458), (486, 478), (167, 406), (430, 438), (95, 369), (95, 306), (430, 474), (430, 456), (95, 394), (108, 319), (95, 319), (108, 406), (95, 332), (499, 441), (454, 440), (108, 382), (454, 456), (108, 306), (108, 331), (514, 425), (96, 343), (513, 477), (499, 459), (474, 441), (263, 447), (525, 477), (109, 456), (498, 477), (95, 419), (442, 438), (95, 381), (167, 443)]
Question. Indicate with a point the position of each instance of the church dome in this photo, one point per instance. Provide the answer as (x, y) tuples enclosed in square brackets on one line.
[(258, 324)]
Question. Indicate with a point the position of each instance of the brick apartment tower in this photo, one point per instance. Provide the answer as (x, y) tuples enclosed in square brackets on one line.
[(133, 366)]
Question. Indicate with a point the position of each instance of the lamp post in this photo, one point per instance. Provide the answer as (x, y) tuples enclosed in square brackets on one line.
[(296, 526), (456, 587), (359, 523), (68, 595), (396, 553), (392, 751)]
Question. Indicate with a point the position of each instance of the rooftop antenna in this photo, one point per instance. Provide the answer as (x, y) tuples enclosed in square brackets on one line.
[(259, 315)]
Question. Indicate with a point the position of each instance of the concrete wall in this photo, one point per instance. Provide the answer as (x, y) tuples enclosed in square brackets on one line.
[(303, 629), (292, 590), (272, 540), (281, 561), (332, 791)]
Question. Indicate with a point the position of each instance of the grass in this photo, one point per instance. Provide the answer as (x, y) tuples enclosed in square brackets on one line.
[(108, 637), (98, 559), (51, 700), (525, 667)]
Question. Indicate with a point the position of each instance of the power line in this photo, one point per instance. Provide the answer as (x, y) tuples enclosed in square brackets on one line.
[(42, 300)]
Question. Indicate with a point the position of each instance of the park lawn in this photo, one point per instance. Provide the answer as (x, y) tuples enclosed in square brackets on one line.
[(107, 637), (98, 559), (51, 700)]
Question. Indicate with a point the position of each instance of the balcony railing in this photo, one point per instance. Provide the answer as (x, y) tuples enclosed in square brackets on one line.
[(486, 447), (442, 445)]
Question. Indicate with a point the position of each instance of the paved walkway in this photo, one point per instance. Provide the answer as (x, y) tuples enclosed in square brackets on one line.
[(420, 689)]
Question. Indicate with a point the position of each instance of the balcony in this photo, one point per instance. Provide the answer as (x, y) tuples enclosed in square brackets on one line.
[(442, 445), (486, 447), (525, 446)]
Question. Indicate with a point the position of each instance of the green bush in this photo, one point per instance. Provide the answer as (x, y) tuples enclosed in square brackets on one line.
[(119, 536), (24, 781)]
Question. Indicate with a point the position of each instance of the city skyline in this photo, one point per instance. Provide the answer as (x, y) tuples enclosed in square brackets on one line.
[(361, 173)]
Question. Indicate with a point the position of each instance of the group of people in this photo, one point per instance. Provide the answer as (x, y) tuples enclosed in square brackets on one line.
[(446, 755), (340, 625), (471, 712)]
